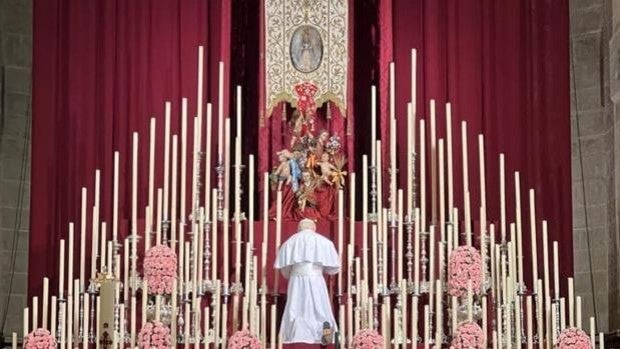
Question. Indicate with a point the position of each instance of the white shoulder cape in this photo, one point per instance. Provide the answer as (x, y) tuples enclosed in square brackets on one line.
[(307, 246)]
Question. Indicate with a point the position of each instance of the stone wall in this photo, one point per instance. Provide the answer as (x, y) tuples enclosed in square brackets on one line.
[(15, 64), (595, 161)]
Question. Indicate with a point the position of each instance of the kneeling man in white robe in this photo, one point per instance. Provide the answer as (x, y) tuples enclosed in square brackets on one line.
[(303, 258)]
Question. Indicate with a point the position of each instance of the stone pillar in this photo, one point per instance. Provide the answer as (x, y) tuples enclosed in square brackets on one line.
[(15, 64), (595, 160)]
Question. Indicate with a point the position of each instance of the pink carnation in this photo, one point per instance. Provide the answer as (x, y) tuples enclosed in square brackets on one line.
[(573, 338), (464, 265), (467, 336), (160, 265), (156, 335), (40, 339), (243, 340), (367, 339)]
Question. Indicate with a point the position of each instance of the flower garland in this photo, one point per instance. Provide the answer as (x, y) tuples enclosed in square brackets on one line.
[(367, 339), (156, 335), (244, 340), (160, 265), (467, 336), (573, 338), (40, 339), (464, 265)]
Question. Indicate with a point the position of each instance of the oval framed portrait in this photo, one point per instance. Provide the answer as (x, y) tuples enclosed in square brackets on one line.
[(306, 49)]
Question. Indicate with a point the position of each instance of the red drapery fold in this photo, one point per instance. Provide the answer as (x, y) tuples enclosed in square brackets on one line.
[(101, 70), (504, 66)]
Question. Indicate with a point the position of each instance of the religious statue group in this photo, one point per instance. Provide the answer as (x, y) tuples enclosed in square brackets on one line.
[(310, 171)]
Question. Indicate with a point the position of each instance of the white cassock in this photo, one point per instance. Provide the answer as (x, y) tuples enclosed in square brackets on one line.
[(303, 259)]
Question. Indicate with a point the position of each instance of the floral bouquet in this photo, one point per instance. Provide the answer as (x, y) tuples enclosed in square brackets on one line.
[(573, 338), (467, 336), (160, 265), (40, 339), (156, 335), (367, 339), (464, 265), (243, 340)]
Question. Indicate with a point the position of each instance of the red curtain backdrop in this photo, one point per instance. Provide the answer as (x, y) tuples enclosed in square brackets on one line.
[(504, 66), (101, 70)]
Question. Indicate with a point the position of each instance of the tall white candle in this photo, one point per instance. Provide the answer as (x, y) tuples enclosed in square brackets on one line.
[(151, 178), (534, 250), (220, 112), (409, 165), (46, 287), (61, 269), (518, 222), (373, 125), (502, 197), (115, 198), (571, 302), (70, 259), (422, 157), (183, 200), (166, 195), (556, 270), (83, 240), (578, 311), (134, 206), (449, 160), (207, 190), (433, 149)]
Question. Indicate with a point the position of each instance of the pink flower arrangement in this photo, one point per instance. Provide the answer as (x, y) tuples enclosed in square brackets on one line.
[(367, 339), (467, 336), (155, 335), (243, 340), (573, 338), (40, 339), (160, 265), (464, 265)]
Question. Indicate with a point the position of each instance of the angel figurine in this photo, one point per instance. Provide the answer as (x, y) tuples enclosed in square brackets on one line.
[(326, 168)]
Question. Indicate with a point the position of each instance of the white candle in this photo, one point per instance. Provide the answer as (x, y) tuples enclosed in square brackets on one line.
[(26, 323), (410, 151), (220, 112), (571, 302), (183, 217), (86, 306), (103, 254), (578, 311), (152, 139), (61, 269), (132, 327), (592, 331), (464, 157), (166, 194), (373, 125), (352, 209), (134, 205), (422, 156), (173, 194), (365, 194), (226, 248), (251, 200), (534, 250), (556, 270), (601, 340), (83, 240), (35, 312), (502, 197), (209, 124), (115, 198), (470, 302), (433, 149), (449, 160), (393, 165), (519, 241), (46, 286)]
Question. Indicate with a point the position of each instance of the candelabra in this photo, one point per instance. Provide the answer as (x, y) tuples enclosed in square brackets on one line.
[(409, 254), (424, 284), (91, 330), (81, 318), (380, 267), (393, 217), (181, 321), (61, 312), (372, 215), (208, 285), (165, 228), (219, 170)]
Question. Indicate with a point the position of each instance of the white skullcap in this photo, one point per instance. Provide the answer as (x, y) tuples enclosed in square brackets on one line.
[(306, 224)]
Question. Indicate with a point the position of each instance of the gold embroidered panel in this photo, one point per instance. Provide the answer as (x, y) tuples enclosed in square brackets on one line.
[(306, 41)]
